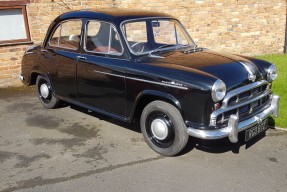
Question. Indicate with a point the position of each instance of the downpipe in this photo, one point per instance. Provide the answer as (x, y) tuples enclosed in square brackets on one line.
[(285, 44)]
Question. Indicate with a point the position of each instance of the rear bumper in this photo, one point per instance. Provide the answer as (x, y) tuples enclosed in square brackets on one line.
[(24, 80), (234, 127), (21, 77)]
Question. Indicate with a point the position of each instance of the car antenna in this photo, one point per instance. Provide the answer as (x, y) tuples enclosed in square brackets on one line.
[(65, 5)]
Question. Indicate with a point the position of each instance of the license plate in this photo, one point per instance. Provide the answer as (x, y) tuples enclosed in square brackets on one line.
[(255, 130)]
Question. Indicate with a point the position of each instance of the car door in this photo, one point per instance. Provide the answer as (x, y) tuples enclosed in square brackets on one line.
[(60, 57), (101, 69)]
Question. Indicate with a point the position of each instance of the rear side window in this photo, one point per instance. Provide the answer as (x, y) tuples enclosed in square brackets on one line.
[(67, 35)]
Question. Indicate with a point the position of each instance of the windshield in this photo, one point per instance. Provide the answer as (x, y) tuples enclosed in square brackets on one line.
[(151, 35)]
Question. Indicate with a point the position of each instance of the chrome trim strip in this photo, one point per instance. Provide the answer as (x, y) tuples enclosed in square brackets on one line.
[(28, 53), (111, 74), (240, 90), (102, 56), (142, 80), (227, 131), (157, 83)]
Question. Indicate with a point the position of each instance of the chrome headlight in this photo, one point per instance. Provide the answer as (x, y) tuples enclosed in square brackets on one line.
[(272, 73), (218, 90)]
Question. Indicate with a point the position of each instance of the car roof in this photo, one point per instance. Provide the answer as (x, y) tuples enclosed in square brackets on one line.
[(114, 15)]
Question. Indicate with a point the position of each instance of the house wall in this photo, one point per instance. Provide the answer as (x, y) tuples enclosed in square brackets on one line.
[(248, 27)]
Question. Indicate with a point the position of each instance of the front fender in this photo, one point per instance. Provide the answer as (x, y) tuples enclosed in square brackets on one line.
[(160, 94), (261, 64), (147, 96)]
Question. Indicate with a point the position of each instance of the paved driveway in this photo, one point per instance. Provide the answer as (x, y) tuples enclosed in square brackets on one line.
[(70, 149)]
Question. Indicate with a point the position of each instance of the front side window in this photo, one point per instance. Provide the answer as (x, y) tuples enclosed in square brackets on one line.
[(136, 32), (146, 36), (102, 37), (67, 35), (14, 25)]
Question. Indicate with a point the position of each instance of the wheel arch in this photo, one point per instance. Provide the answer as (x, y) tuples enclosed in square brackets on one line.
[(34, 76), (147, 96), (35, 72)]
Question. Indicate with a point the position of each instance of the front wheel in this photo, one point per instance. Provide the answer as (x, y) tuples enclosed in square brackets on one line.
[(163, 128), (45, 94)]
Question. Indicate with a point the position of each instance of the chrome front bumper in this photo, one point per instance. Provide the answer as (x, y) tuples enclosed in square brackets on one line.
[(234, 126)]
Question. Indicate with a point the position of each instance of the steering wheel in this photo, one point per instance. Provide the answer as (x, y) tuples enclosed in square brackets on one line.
[(138, 43)]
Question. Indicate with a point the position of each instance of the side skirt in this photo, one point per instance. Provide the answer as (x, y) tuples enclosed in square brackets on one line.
[(100, 111)]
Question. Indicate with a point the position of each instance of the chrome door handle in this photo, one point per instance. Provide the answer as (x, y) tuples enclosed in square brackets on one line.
[(44, 50), (81, 57)]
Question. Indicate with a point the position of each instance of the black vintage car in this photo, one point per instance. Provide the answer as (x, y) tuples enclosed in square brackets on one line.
[(139, 64)]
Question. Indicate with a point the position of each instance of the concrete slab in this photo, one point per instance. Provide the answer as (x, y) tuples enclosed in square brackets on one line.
[(70, 149)]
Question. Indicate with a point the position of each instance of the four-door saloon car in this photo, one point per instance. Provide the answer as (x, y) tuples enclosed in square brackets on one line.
[(139, 64)]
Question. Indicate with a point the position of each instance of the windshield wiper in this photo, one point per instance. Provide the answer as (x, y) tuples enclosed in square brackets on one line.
[(194, 49), (150, 53)]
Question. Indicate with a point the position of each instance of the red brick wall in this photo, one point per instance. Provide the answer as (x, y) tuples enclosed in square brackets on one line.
[(240, 26), (40, 14), (10, 62)]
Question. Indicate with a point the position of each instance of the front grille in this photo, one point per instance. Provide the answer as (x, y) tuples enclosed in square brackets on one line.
[(244, 109), (247, 94), (244, 102)]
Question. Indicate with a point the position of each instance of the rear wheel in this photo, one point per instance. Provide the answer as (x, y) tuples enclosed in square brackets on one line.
[(45, 94), (163, 128)]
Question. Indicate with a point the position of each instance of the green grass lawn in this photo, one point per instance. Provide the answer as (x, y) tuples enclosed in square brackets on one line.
[(279, 86)]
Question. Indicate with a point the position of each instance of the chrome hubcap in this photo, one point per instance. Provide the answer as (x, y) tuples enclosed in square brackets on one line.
[(159, 129), (44, 90)]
